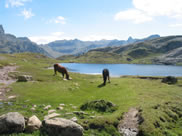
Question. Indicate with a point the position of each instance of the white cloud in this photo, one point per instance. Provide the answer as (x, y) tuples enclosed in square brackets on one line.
[(133, 15), (146, 10), (44, 39), (175, 25), (58, 20), (27, 13), (15, 3), (159, 7)]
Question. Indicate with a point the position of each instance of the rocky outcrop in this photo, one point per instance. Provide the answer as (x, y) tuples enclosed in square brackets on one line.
[(52, 115), (12, 122), (33, 124), (1, 30), (62, 127)]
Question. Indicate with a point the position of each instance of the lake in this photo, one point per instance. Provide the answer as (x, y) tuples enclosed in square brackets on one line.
[(125, 69)]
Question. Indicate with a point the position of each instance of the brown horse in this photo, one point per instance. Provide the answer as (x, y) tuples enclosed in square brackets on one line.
[(105, 74), (61, 69)]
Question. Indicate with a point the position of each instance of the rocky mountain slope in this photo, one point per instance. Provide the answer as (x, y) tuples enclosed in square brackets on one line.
[(11, 44), (77, 47), (162, 50)]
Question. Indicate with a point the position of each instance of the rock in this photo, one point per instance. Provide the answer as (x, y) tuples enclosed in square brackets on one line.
[(62, 104), (1, 30), (74, 107), (12, 97), (47, 107), (33, 124), (169, 80), (74, 119), (12, 122), (34, 106), (92, 117), (62, 127), (60, 108), (24, 78), (51, 111), (51, 116), (32, 109), (69, 113)]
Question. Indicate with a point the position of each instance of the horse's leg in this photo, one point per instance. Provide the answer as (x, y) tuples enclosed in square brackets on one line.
[(109, 79), (55, 72), (105, 78), (63, 75)]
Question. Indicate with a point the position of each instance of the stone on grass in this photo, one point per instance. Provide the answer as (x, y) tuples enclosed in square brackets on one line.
[(51, 111), (33, 124), (60, 108), (12, 97), (61, 104), (74, 119), (53, 115), (62, 127), (47, 107), (12, 122), (24, 78)]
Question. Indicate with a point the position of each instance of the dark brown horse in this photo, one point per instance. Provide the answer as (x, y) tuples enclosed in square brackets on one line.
[(105, 74), (61, 69)]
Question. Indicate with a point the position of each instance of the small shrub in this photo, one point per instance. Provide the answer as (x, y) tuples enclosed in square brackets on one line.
[(99, 105)]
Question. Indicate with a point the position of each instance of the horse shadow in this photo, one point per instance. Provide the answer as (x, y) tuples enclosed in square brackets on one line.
[(101, 85)]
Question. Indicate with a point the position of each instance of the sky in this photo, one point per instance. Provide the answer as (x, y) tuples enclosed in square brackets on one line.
[(44, 21)]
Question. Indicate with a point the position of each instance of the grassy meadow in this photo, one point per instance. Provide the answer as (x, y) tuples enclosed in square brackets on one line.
[(159, 103)]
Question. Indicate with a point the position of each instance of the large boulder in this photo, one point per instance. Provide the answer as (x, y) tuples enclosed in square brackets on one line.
[(61, 127), (24, 78), (12, 122), (33, 124), (170, 80)]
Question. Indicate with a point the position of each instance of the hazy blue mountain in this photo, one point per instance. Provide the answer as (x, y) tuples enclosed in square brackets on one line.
[(77, 47)]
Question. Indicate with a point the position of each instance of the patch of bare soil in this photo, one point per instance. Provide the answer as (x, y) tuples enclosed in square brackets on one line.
[(5, 80), (128, 126)]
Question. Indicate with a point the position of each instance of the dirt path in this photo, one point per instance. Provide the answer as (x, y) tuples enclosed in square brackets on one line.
[(129, 125), (5, 80)]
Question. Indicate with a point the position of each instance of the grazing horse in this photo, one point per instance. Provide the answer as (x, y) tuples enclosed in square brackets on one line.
[(105, 74), (61, 69)]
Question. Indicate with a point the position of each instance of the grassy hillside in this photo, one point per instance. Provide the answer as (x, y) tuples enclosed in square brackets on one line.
[(159, 103), (163, 50)]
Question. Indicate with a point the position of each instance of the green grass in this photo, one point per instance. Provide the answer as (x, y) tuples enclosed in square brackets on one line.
[(124, 92)]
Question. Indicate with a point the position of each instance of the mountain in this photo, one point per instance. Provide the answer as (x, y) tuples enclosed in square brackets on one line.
[(161, 50), (77, 47), (11, 44)]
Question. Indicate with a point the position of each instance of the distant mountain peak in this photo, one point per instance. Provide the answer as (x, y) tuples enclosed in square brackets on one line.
[(130, 38), (1, 29)]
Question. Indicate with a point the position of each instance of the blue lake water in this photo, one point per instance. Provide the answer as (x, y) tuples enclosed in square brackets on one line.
[(125, 69)]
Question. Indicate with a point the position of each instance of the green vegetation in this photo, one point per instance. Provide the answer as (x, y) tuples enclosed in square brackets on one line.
[(160, 103)]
